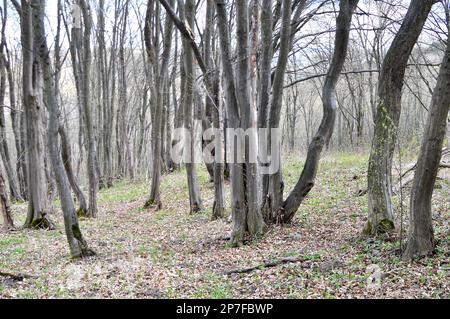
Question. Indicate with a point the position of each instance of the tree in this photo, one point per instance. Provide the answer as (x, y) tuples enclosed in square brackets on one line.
[(158, 74), (195, 200), (381, 215), (246, 215), (4, 147), (78, 245), (82, 60), (38, 210), (421, 236), (307, 178), (5, 204)]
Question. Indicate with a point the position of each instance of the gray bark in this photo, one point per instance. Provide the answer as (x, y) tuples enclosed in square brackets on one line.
[(421, 236), (191, 168), (38, 206), (323, 135), (381, 214), (77, 244), (8, 223)]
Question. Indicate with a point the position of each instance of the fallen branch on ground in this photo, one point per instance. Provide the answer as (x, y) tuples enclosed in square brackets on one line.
[(18, 277), (282, 261)]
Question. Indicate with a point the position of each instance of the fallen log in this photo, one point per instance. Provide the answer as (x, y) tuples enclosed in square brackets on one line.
[(282, 261)]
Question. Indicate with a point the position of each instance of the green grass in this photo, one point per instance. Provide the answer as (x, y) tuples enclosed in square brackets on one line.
[(10, 241), (123, 192)]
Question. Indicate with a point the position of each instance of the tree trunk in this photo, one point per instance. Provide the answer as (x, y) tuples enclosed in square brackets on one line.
[(66, 155), (8, 223), (77, 244), (4, 148), (188, 102), (157, 87), (325, 131), (246, 215), (38, 208), (381, 214), (421, 236), (274, 197)]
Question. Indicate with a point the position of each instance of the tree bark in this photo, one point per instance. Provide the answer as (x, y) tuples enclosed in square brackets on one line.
[(8, 223), (38, 206), (325, 131), (195, 200), (77, 244), (273, 199), (159, 78), (381, 214), (246, 214), (421, 236)]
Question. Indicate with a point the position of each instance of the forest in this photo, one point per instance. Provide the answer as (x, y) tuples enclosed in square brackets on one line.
[(224, 149)]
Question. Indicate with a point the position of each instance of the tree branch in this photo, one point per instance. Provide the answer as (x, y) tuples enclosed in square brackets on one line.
[(185, 32)]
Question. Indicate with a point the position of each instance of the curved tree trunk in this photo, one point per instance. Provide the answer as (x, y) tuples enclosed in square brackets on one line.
[(66, 155), (421, 236), (77, 244), (323, 136), (381, 214)]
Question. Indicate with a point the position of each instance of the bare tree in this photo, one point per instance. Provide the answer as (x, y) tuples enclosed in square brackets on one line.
[(421, 236), (77, 244), (381, 214), (325, 131), (38, 206)]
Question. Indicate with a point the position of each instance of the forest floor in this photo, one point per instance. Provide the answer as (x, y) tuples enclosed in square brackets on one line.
[(171, 254)]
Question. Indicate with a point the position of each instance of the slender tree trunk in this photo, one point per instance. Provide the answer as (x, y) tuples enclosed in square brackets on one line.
[(4, 148), (274, 196), (85, 70), (213, 104), (77, 244), (188, 102), (8, 223), (161, 74), (381, 214), (325, 131), (421, 236), (66, 155)]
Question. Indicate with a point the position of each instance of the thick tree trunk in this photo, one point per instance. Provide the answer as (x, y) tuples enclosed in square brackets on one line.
[(246, 215), (38, 208), (77, 244), (325, 131), (381, 214), (421, 237)]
